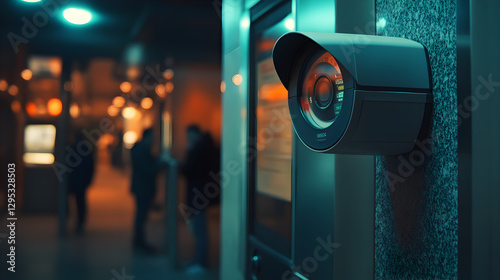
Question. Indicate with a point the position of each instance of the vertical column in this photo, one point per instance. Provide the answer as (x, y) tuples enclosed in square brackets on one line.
[(62, 142)]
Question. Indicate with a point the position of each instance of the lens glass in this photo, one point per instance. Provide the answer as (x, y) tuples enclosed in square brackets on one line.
[(322, 91)]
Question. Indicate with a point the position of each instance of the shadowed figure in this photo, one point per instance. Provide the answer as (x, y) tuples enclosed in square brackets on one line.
[(80, 179), (201, 159), (145, 167)]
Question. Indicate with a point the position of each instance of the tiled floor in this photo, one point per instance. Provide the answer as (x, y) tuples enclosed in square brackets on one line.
[(104, 251)]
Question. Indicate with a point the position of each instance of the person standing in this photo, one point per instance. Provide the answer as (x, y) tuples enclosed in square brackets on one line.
[(79, 181), (199, 162), (145, 167)]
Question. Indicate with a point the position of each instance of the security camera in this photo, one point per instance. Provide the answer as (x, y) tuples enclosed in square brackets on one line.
[(355, 94)]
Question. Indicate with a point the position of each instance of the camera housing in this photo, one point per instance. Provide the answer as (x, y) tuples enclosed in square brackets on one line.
[(355, 94)]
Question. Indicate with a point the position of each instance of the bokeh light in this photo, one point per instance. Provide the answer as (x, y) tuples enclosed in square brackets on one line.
[(160, 90), (113, 111), (16, 106), (54, 107), (168, 74), (74, 110), (119, 101), (147, 103), (222, 86), (129, 139), (3, 85), (129, 113), (26, 74), (31, 109), (126, 87), (237, 79), (169, 87), (13, 90)]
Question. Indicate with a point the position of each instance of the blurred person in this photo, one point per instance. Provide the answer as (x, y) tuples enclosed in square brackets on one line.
[(145, 168), (199, 162), (81, 178)]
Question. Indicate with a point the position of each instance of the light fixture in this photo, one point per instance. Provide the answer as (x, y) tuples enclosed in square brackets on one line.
[(31, 1), (77, 16), (74, 110)]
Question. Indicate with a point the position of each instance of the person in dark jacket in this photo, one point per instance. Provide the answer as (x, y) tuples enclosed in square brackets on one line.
[(199, 162), (145, 167), (80, 179)]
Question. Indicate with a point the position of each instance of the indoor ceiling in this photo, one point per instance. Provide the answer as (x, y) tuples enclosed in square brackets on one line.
[(186, 30)]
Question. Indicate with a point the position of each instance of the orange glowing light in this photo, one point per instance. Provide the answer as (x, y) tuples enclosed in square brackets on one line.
[(118, 101), (26, 74), (147, 103), (113, 111), (74, 110), (126, 87), (222, 86), (31, 109), (54, 106), (16, 106), (13, 90), (168, 74), (160, 90), (169, 87), (237, 79), (3, 85)]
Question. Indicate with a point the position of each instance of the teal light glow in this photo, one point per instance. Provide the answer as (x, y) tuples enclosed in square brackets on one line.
[(381, 23), (31, 1), (77, 16)]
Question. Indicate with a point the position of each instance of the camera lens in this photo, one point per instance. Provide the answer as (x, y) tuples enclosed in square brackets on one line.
[(322, 91)]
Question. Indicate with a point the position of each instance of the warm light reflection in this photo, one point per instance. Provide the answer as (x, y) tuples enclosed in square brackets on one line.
[(222, 86), (26, 74), (129, 139), (31, 109), (3, 85), (169, 87), (147, 103), (38, 158), (74, 110), (54, 106), (273, 92), (16, 106), (129, 113), (113, 111), (160, 90), (13, 90), (126, 87), (237, 79), (77, 16), (168, 74), (133, 73), (119, 101)]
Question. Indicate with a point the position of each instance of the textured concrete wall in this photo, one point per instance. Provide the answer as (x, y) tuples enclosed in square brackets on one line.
[(416, 194)]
